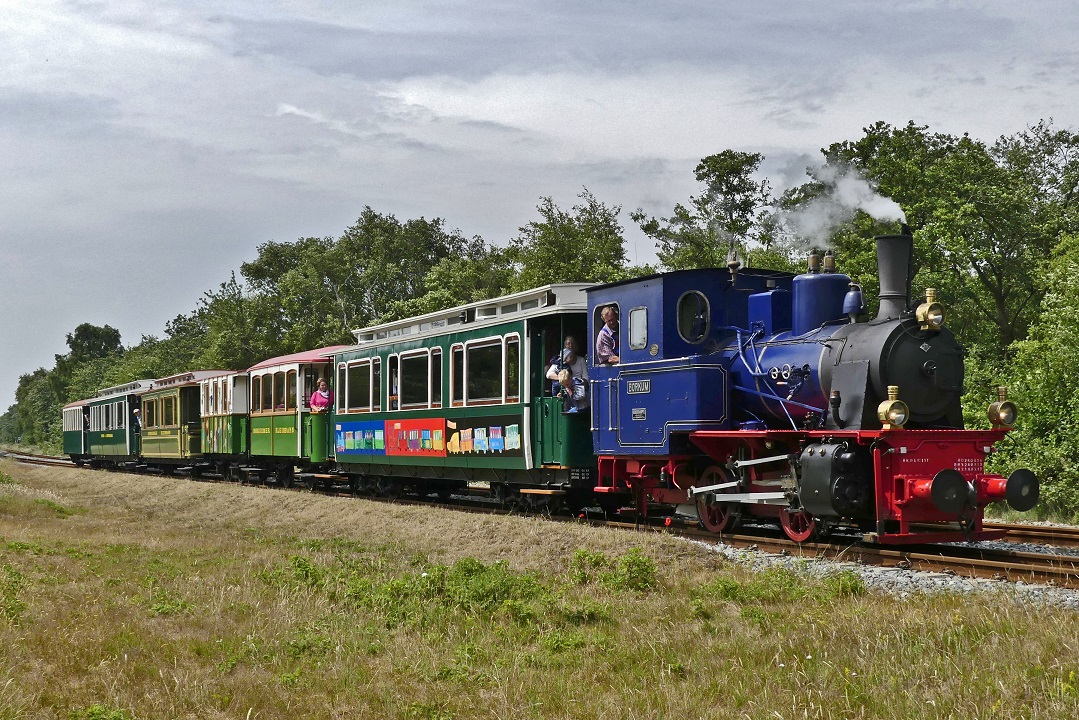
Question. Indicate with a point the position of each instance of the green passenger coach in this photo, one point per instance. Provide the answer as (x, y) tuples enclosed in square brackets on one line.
[(111, 435), (284, 433), (76, 423), (460, 396), (224, 402)]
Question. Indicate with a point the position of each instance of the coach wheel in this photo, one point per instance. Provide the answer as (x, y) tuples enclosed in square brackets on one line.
[(716, 516), (284, 476), (798, 525), (389, 489)]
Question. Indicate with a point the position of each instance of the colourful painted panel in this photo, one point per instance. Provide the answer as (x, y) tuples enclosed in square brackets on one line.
[(215, 434), (421, 436), (490, 435), (360, 437)]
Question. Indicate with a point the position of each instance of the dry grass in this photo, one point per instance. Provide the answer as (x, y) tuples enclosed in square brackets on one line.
[(135, 597)]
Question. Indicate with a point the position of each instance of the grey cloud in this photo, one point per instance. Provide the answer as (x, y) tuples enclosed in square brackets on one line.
[(478, 40), (70, 113)]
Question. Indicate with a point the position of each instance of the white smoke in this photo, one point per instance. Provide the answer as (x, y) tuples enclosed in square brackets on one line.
[(846, 192)]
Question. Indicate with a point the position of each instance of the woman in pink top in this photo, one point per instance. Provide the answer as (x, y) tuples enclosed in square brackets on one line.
[(322, 398)]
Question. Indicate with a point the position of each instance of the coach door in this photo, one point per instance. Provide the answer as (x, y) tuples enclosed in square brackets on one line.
[(551, 428)]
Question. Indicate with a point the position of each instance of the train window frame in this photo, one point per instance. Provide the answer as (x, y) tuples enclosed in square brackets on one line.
[(472, 357), (457, 375), (376, 384), (597, 324), (168, 411), (340, 398), (511, 369), (119, 414), (393, 381), (291, 390), (435, 377), (697, 317), (256, 394), (638, 326), (279, 391), (267, 392), (149, 413), (347, 393), (403, 377)]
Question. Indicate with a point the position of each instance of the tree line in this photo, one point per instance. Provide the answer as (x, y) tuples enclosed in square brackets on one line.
[(996, 230)]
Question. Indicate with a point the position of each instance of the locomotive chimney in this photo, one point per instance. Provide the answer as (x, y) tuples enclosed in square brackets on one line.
[(895, 259)]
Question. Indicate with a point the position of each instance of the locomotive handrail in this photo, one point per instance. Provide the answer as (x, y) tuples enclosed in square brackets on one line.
[(611, 403), (593, 426)]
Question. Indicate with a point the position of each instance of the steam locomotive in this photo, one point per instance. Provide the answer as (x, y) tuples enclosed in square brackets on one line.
[(739, 393)]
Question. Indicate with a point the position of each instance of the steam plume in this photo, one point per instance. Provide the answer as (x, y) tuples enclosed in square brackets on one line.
[(846, 192)]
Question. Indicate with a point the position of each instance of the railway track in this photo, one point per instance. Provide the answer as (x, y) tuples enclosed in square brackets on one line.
[(1059, 535), (31, 459), (975, 561)]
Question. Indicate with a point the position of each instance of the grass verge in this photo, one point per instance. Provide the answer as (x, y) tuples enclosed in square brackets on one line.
[(126, 597)]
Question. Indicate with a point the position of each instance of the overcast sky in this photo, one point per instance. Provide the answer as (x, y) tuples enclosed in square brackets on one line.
[(148, 147)]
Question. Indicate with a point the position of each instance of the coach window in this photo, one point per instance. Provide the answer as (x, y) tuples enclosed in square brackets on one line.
[(693, 317), (256, 394), (359, 386), (513, 369), (149, 413), (376, 384), (415, 376), (290, 399), (457, 375), (483, 372), (108, 416), (168, 411), (342, 379), (267, 393), (279, 390), (393, 391), (436, 378), (638, 328), (119, 414)]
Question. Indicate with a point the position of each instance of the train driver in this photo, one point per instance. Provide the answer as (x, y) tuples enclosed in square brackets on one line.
[(607, 339)]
